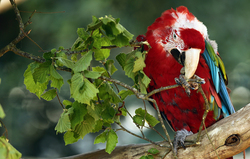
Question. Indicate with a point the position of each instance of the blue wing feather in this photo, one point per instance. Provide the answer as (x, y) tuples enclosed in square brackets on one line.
[(219, 84)]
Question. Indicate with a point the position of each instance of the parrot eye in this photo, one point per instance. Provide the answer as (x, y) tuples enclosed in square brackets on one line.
[(174, 36)]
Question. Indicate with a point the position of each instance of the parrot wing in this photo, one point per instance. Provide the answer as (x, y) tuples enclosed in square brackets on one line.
[(219, 99)]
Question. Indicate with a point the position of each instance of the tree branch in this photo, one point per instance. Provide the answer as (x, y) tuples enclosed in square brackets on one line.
[(228, 142)]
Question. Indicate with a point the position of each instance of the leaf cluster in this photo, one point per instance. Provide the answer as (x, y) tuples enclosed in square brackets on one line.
[(95, 103)]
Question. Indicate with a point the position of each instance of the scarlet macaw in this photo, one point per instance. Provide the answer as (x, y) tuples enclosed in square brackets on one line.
[(178, 39)]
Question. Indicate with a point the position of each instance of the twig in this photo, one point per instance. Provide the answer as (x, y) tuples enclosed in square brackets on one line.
[(161, 89), (29, 20), (31, 40), (135, 91), (6, 130), (157, 132), (144, 118), (162, 124), (26, 54), (19, 18), (43, 12), (12, 44), (59, 99), (124, 129), (131, 44), (205, 112)]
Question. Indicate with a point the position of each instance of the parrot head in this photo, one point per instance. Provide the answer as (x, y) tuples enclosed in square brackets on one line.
[(181, 35)]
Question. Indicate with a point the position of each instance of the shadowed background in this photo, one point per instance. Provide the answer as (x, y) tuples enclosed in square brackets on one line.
[(31, 121)]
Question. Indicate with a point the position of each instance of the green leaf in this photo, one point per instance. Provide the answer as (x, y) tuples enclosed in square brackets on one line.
[(125, 93), (98, 126), (101, 54), (2, 114), (82, 33), (129, 67), (61, 48), (96, 23), (36, 88), (121, 58), (65, 62), (147, 157), (70, 137), (138, 120), (66, 103), (48, 55), (139, 64), (108, 113), (106, 92), (86, 126), (121, 40), (101, 138), (93, 111), (153, 151), (78, 45), (56, 83), (80, 110), (56, 78), (89, 91), (110, 67), (124, 112), (76, 84), (112, 140), (49, 95), (81, 89), (92, 74), (143, 157), (7, 150), (107, 19), (149, 118), (63, 123), (128, 34), (118, 35), (83, 63), (101, 70), (145, 80), (41, 73)]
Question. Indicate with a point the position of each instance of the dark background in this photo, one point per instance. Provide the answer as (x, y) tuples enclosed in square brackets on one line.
[(31, 121)]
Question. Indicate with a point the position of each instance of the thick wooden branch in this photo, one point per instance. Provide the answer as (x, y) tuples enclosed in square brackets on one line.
[(229, 136)]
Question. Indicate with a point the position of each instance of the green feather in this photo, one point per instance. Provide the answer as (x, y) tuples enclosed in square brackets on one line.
[(216, 59), (212, 54), (222, 68)]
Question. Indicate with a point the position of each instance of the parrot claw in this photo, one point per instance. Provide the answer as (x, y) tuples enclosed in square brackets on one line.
[(197, 79), (191, 83), (184, 83), (179, 139)]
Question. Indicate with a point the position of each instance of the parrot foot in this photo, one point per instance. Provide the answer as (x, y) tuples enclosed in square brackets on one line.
[(179, 139), (191, 83), (184, 83)]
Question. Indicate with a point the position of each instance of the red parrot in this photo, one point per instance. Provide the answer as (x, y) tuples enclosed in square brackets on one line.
[(179, 40)]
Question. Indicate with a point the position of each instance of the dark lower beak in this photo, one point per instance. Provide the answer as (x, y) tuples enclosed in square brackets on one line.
[(179, 57)]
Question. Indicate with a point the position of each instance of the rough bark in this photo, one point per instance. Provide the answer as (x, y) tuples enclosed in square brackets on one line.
[(229, 137)]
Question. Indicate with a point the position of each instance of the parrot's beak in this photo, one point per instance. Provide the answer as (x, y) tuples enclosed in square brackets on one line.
[(192, 57), (189, 59)]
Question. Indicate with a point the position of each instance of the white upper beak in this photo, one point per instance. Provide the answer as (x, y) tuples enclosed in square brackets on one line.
[(192, 57)]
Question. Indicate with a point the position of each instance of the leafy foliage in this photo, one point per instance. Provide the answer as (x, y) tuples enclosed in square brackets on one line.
[(95, 105), (141, 116), (6, 149)]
